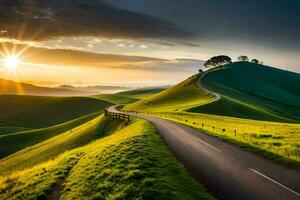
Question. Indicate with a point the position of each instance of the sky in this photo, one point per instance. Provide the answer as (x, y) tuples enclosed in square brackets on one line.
[(141, 42)]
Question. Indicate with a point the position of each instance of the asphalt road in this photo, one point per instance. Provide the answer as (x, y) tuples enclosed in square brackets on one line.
[(227, 171)]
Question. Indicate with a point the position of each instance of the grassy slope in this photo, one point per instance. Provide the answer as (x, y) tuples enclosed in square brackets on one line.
[(227, 106), (5, 130), (180, 97), (38, 112), (116, 98), (274, 140), (130, 164), (278, 141), (269, 90), (141, 93), (48, 149), (14, 142)]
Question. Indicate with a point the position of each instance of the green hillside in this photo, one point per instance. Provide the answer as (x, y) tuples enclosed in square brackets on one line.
[(180, 97), (141, 93), (132, 163), (16, 141), (116, 98), (39, 112), (48, 149), (264, 89)]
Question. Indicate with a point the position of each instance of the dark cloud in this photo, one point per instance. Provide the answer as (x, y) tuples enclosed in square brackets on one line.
[(48, 19), (272, 23)]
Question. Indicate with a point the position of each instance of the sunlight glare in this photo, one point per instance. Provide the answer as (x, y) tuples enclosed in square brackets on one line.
[(11, 62)]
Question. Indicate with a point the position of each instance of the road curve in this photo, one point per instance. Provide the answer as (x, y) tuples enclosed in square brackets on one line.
[(227, 171), (200, 85)]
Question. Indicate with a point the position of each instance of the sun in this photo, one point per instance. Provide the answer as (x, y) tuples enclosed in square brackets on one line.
[(11, 62)]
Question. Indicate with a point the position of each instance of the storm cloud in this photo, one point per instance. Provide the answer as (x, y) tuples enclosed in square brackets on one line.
[(45, 20)]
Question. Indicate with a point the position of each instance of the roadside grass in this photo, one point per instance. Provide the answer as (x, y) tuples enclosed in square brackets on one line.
[(40, 112), (276, 141), (116, 98), (14, 142), (132, 163), (180, 97), (48, 149), (141, 93)]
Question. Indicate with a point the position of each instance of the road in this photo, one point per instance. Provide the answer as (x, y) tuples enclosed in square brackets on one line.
[(200, 85), (227, 171)]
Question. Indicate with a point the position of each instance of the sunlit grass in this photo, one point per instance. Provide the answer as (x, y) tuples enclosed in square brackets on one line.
[(180, 97), (132, 163), (280, 139)]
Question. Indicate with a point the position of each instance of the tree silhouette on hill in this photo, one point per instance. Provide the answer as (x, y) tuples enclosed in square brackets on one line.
[(217, 61)]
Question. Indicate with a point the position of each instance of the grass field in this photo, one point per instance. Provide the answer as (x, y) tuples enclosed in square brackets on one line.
[(274, 140), (48, 149), (14, 142), (40, 112), (141, 93), (234, 108), (132, 163), (264, 88), (116, 98), (180, 97)]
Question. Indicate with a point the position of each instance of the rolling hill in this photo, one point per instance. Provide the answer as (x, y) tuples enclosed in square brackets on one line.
[(179, 97), (142, 93), (11, 87), (130, 163), (265, 90), (116, 98), (241, 95), (40, 112), (68, 137), (13, 142)]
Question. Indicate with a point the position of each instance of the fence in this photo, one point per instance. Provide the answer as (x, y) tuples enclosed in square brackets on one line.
[(116, 115)]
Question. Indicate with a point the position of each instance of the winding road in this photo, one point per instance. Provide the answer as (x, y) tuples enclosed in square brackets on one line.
[(227, 171)]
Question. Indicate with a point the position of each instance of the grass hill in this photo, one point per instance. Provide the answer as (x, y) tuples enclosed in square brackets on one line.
[(73, 137), (182, 96), (40, 112), (14, 142), (142, 93), (242, 95), (116, 98), (263, 89), (131, 163)]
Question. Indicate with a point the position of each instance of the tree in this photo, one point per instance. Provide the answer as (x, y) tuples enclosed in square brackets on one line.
[(255, 61), (217, 61), (243, 58)]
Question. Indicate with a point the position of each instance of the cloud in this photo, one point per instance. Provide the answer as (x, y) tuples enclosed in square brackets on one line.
[(72, 57), (170, 66), (46, 20)]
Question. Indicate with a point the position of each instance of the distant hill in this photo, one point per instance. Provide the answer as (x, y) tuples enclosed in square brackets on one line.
[(95, 88), (38, 111), (143, 92), (11, 87)]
